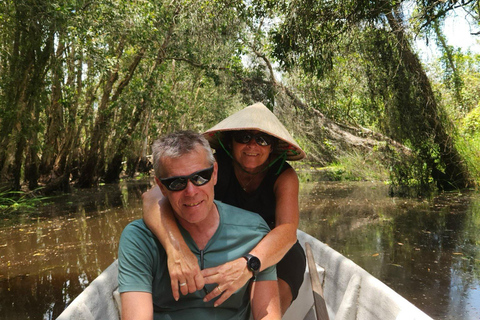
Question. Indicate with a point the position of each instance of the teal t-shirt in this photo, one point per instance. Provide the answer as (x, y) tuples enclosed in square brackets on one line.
[(143, 265)]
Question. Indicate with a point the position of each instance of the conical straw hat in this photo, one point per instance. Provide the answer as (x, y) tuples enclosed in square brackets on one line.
[(257, 117)]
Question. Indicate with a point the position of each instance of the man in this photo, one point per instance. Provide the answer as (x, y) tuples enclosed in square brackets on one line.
[(186, 173)]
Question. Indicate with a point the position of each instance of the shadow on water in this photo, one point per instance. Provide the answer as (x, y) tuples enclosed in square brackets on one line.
[(46, 262), (425, 249)]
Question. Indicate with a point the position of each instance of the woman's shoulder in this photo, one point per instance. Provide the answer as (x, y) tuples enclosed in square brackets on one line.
[(280, 169)]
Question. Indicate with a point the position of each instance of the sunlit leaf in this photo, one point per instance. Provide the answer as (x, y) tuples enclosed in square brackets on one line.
[(396, 265)]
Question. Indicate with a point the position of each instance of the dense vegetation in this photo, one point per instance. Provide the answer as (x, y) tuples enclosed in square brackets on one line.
[(85, 86)]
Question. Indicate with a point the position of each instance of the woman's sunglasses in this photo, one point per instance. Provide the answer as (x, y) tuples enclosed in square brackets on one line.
[(245, 137), (198, 178)]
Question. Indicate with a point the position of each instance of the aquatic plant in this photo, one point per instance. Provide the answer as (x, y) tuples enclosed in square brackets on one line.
[(14, 201)]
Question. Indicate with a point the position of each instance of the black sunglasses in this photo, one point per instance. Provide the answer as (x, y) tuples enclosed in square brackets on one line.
[(245, 137), (198, 178)]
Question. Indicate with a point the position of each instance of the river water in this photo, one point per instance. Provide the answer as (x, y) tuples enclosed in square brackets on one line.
[(428, 250)]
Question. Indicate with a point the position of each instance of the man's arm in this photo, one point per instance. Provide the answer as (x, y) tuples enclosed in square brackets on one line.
[(265, 300), (137, 305), (182, 264)]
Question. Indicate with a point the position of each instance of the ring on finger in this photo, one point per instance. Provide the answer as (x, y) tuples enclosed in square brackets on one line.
[(218, 288), (183, 284)]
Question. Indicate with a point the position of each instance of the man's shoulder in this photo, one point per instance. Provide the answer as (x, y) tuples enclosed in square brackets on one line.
[(235, 210), (235, 215), (137, 228), (136, 224)]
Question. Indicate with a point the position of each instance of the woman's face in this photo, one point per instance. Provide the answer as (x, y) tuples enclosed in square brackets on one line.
[(248, 152)]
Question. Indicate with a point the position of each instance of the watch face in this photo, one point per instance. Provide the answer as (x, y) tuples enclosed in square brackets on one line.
[(254, 263)]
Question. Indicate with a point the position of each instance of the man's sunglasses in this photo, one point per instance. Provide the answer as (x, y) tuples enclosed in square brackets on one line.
[(245, 137), (198, 178)]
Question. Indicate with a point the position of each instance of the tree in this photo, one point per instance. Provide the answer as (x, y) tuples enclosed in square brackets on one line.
[(67, 66), (312, 35)]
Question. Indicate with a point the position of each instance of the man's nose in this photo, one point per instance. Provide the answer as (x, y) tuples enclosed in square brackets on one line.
[(190, 188)]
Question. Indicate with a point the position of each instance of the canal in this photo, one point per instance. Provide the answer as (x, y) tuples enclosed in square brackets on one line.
[(428, 250)]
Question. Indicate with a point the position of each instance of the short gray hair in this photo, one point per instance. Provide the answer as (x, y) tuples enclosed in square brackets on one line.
[(177, 144)]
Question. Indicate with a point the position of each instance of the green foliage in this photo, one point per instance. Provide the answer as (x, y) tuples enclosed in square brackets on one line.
[(362, 167), (471, 123), (468, 142), (114, 71), (344, 95), (85, 85), (469, 146), (13, 201), (464, 112)]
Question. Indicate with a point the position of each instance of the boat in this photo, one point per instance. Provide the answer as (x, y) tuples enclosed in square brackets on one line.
[(348, 291)]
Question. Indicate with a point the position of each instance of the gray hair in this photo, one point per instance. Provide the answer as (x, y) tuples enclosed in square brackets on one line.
[(176, 145)]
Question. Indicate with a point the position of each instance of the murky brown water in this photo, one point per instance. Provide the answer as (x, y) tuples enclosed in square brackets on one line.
[(428, 251)]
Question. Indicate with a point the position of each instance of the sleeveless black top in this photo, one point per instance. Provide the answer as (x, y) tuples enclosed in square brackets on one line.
[(262, 201)]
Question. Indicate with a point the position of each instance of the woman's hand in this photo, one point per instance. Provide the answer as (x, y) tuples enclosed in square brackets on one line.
[(184, 272), (230, 277)]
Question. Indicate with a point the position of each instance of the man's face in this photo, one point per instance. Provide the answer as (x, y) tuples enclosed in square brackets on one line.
[(194, 204)]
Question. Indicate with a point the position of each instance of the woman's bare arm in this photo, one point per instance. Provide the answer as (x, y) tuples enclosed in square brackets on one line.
[(136, 305), (276, 244), (182, 263), (265, 301), (270, 250)]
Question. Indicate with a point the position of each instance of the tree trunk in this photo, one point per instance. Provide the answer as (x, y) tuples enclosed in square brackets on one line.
[(454, 175), (89, 171), (17, 163), (54, 116), (33, 44), (15, 91)]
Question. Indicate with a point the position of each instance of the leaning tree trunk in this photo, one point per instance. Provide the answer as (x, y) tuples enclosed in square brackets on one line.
[(454, 175)]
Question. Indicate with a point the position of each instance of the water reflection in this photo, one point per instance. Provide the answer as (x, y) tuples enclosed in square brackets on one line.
[(427, 250), (47, 262)]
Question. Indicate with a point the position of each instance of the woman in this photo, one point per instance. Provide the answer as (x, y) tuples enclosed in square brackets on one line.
[(251, 148)]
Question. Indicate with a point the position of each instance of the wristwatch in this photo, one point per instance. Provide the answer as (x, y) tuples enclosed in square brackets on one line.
[(253, 263)]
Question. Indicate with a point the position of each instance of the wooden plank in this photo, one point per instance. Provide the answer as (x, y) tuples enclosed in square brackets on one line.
[(317, 290)]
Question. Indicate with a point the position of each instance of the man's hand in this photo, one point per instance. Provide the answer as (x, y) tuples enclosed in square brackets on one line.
[(230, 277), (184, 272)]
